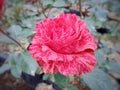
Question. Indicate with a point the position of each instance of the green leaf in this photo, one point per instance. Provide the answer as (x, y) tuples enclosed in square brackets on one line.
[(15, 65), (4, 68), (61, 80), (105, 49), (14, 30), (98, 1), (49, 77), (114, 66), (114, 6), (96, 21), (72, 88), (29, 65), (98, 80), (46, 76), (29, 23), (101, 13), (47, 2), (16, 71), (72, 1), (23, 62), (30, 7), (59, 3), (100, 58), (25, 33), (25, 68), (91, 26)]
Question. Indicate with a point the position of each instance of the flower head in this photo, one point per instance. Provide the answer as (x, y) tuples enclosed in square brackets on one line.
[(1, 6), (65, 45)]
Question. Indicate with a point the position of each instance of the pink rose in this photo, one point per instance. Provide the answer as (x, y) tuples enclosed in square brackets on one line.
[(65, 45)]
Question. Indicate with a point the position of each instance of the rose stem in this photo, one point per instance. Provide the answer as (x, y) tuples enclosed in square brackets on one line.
[(80, 8), (12, 39), (40, 3)]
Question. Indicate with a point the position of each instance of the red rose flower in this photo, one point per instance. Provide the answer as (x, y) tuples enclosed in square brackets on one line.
[(65, 45), (1, 6)]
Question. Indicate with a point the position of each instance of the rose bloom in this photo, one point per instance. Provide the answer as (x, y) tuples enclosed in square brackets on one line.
[(1, 6), (65, 45)]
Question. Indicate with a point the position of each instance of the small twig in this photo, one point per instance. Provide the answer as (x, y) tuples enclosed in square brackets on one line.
[(12, 39), (80, 8), (114, 19), (43, 10), (99, 39)]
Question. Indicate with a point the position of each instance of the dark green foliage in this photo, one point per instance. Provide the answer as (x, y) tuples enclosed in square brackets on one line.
[(98, 80)]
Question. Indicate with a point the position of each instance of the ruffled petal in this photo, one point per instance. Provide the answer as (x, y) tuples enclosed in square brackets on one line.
[(81, 64)]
